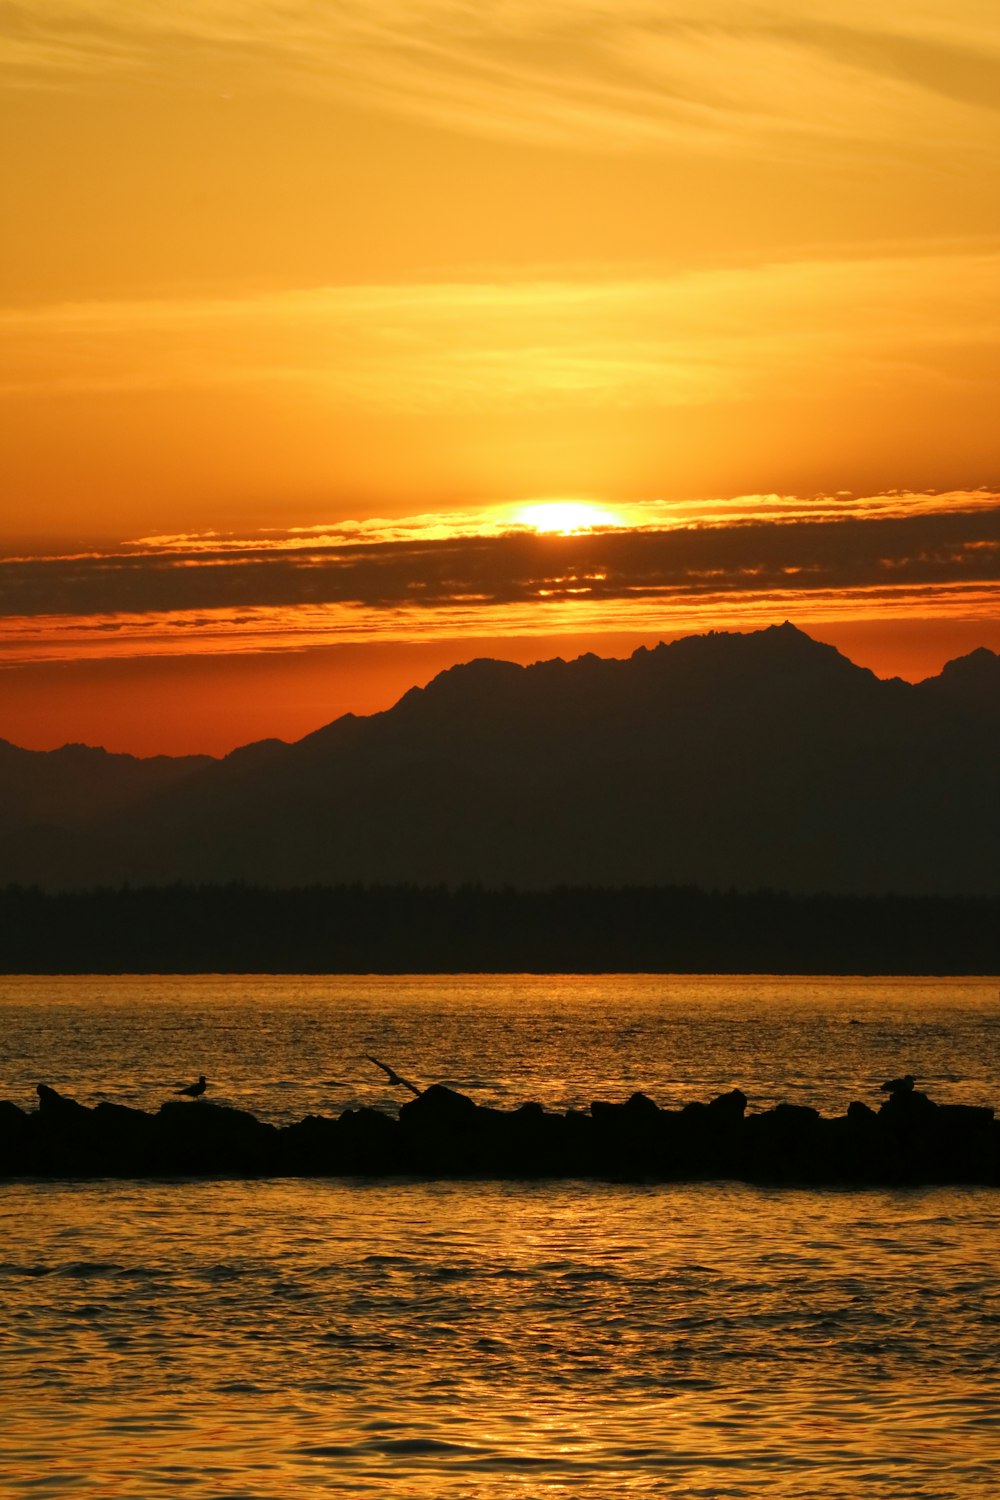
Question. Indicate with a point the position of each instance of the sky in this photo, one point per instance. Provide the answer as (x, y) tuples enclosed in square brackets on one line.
[(346, 341)]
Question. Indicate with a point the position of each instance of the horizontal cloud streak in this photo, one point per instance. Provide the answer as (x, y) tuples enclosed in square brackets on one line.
[(730, 75), (282, 591), (808, 327), (640, 515), (220, 632)]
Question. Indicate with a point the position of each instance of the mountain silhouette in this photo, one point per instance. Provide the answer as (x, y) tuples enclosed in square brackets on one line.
[(78, 782), (723, 760), (970, 685)]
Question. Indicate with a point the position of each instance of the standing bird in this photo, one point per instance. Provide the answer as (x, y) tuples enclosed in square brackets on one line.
[(194, 1090), (902, 1085), (394, 1077)]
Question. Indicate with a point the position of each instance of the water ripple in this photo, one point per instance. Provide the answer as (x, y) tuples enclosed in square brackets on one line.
[(526, 1343)]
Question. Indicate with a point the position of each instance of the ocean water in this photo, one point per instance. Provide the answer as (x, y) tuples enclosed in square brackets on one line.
[(294, 1339), (284, 1047)]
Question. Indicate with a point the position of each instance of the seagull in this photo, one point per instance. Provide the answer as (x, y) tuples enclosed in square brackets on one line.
[(899, 1085), (194, 1090), (394, 1077)]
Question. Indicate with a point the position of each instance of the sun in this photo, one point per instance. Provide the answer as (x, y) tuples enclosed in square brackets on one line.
[(564, 517)]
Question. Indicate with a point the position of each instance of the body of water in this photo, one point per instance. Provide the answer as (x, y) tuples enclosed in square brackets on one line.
[(299, 1339), (285, 1047)]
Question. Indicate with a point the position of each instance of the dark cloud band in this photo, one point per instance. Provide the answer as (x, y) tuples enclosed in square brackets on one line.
[(843, 555)]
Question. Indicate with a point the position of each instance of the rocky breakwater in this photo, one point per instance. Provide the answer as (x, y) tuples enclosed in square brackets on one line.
[(441, 1133)]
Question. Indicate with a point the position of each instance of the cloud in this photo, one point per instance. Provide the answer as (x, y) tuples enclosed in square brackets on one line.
[(914, 554), (727, 75), (505, 520), (810, 327)]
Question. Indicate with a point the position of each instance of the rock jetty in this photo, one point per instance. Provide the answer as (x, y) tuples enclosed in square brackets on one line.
[(908, 1140)]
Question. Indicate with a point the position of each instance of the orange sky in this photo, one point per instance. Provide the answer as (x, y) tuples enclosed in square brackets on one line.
[(318, 297)]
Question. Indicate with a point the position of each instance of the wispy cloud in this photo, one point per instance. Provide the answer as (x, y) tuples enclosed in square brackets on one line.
[(243, 632), (727, 75), (507, 519), (852, 557), (804, 326)]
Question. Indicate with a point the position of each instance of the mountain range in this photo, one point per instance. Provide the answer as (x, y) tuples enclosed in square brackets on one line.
[(728, 761)]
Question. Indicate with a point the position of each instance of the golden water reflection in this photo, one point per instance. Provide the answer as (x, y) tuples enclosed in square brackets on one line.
[(300, 1339), (283, 1046)]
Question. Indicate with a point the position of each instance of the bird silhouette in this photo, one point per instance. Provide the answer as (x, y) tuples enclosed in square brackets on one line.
[(395, 1080), (899, 1085), (194, 1090)]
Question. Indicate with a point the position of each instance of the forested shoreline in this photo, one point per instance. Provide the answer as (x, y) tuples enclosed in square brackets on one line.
[(414, 929)]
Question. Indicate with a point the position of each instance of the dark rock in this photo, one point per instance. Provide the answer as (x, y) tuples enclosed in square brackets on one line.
[(966, 1117), (56, 1108), (442, 1132), (630, 1140), (445, 1134), (212, 1138), (965, 1144), (311, 1148), (707, 1137), (125, 1139), (65, 1137), (782, 1142), (531, 1111), (731, 1106), (437, 1105), (369, 1144), (14, 1126), (538, 1142), (906, 1106), (13, 1120)]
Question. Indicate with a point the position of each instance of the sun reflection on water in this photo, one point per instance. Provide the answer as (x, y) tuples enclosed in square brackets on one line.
[(491, 1341)]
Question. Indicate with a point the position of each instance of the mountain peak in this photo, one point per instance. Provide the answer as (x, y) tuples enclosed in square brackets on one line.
[(777, 654), (780, 656), (483, 677), (971, 683), (980, 665), (728, 759)]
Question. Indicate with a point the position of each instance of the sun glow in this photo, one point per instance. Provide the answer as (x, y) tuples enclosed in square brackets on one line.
[(565, 517)]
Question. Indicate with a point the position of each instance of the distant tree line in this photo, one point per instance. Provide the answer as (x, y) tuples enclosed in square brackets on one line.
[(400, 929)]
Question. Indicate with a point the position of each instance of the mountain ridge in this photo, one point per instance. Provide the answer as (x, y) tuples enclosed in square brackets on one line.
[(722, 760)]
